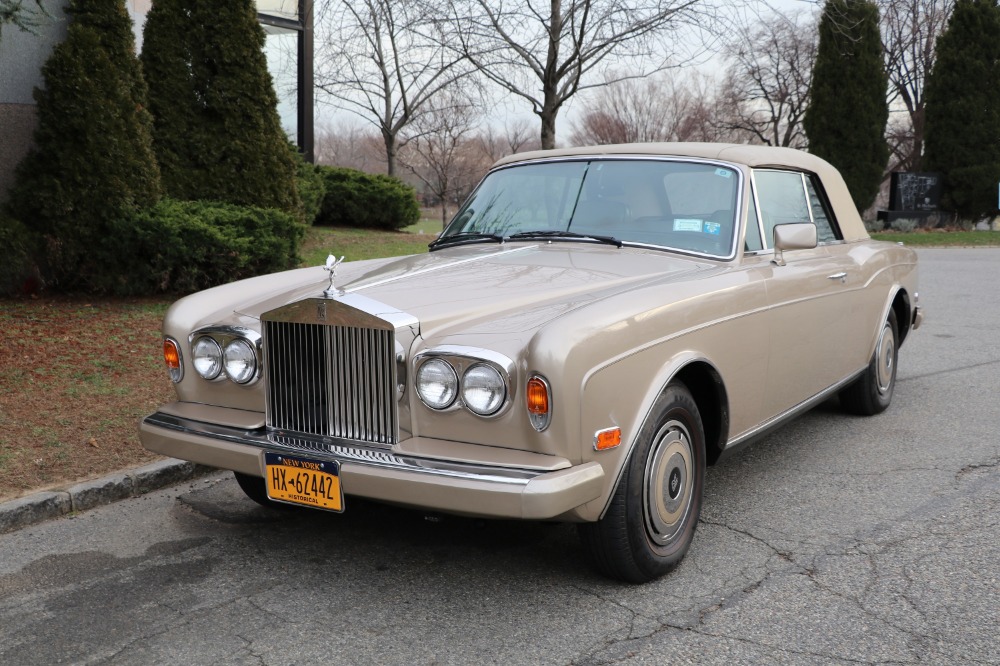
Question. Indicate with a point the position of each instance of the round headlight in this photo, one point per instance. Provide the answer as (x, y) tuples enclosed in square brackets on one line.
[(207, 357), (483, 389), (240, 361), (437, 384)]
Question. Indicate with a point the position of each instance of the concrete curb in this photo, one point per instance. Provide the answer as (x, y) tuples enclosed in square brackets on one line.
[(42, 506)]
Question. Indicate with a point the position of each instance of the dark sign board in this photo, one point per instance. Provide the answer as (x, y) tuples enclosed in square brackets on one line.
[(914, 191)]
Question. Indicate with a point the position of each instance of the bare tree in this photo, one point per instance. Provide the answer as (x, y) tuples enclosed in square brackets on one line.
[(515, 137), (382, 60), (440, 153), (910, 29), (547, 52), (665, 107), (349, 144), (766, 90)]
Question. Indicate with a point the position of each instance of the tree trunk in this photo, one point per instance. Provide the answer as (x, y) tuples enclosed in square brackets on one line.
[(917, 149), (390, 152), (444, 212), (548, 137)]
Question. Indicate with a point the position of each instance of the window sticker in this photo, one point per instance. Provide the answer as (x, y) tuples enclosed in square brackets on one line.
[(713, 228), (687, 224), (725, 173)]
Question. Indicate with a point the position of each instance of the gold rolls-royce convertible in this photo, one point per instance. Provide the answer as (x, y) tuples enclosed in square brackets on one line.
[(592, 329)]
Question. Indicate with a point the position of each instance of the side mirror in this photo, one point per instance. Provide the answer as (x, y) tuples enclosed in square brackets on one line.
[(799, 236)]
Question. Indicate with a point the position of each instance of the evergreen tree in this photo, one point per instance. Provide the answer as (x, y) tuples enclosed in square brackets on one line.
[(217, 128), (166, 63), (847, 114), (963, 109), (92, 167), (22, 15)]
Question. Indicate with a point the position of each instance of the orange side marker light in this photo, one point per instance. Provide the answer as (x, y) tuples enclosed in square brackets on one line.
[(608, 438)]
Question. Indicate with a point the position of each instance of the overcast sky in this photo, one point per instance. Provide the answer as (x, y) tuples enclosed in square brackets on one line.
[(510, 108)]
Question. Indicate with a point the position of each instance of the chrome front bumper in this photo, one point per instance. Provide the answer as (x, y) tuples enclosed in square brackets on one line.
[(469, 487)]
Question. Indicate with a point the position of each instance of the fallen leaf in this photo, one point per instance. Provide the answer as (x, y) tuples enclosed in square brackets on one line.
[(93, 443)]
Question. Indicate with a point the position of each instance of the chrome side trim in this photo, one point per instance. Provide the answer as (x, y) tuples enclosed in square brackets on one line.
[(776, 421), (342, 451)]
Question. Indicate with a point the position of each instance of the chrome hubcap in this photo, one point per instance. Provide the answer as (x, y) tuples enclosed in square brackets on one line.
[(885, 359), (668, 483)]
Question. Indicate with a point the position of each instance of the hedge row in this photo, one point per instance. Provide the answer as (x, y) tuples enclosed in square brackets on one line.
[(371, 201), (171, 247)]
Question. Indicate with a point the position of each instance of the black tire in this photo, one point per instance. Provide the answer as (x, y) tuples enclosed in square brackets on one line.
[(255, 488), (650, 523), (871, 393)]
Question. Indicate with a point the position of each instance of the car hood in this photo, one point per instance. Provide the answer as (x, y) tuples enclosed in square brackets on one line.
[(492, 288)]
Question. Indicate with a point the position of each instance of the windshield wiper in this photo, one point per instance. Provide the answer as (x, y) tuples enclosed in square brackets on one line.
[(610, 240), (464, 237)]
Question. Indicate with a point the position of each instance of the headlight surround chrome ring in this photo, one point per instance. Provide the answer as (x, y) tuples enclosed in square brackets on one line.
[(240, 361), (484, 390), (437, 384), (206, 356)]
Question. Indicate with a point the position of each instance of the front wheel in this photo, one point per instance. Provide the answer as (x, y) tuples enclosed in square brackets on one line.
[(651, 520), (871, 393), (255, 488)]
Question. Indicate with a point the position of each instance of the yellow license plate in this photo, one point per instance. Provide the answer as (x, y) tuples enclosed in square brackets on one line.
[(312, 483)]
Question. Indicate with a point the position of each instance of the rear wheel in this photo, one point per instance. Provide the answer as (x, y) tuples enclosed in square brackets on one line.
[(651, 520), (871, 393)]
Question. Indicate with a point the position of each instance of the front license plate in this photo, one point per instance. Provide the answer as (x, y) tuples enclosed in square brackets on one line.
[(313, 483)]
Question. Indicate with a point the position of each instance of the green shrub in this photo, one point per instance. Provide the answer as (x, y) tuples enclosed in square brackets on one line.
[(18, 273), (216, 128), (371, 201), (309, 183), (92, 167), (185, 246)]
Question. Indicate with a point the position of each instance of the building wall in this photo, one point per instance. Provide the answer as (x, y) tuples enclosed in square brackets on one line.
[(23, 54), (21, 58)]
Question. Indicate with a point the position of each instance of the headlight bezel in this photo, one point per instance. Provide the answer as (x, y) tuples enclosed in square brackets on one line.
[(461, 359), (240, 346), (493, 406), (195, 357), (449, 370), (223, 336)]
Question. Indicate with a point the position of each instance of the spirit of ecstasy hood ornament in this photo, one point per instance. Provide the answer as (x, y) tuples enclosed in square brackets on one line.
[(331, 268)]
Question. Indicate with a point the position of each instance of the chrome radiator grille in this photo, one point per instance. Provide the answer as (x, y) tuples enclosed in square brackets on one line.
[(331, 381)]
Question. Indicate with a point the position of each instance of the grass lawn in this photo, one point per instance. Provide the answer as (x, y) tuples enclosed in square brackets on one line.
[(357, 244), (79, 372), (942, 238)]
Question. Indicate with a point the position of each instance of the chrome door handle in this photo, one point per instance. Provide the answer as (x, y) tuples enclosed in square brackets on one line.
[(838, 276)]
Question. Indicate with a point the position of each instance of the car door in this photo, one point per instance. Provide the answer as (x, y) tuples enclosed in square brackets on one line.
[(811, 311)]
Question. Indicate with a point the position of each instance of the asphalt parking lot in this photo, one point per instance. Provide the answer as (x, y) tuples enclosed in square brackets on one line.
[(837, 540)]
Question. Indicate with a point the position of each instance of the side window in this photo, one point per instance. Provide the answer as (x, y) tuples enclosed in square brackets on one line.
[(826, 230), (782, 199)]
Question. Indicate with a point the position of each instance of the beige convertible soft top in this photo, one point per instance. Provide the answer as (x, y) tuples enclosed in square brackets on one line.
[(752, 156)]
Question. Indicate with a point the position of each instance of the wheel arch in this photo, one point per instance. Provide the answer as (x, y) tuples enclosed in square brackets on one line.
[(902, 307), (709, 392)]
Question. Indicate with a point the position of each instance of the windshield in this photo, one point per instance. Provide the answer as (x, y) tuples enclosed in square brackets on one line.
[(687, 206)]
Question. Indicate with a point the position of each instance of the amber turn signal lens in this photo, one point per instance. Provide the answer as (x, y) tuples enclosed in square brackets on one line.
[(608, 438), (538, 397), (172, 356)]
